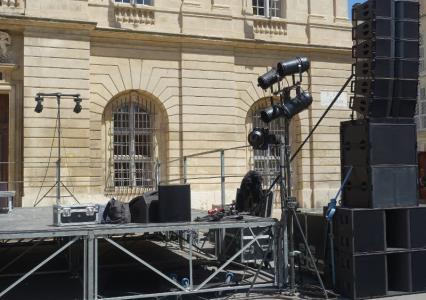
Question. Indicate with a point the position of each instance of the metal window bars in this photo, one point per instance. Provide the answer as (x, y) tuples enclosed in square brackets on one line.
[(132, 143), (266, 162)]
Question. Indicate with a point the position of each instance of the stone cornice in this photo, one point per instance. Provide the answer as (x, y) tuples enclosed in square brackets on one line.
[(21, 22), (100, 32)]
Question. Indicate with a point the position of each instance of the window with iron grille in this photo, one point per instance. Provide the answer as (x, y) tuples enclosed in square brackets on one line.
[(267, 8), (132, 145), (267, 162)]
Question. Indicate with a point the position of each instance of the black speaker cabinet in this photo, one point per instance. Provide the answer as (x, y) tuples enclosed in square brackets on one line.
[(365, 142), (417, 228), (144, 209), (361, 276), (351, 225), (381, 186), (174, 203), (383, 8), (385, 88), (387, 68), (384, 107), (418, 263)]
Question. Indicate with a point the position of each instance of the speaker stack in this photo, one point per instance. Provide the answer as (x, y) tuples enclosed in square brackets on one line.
[(378, 241), (386, 52)]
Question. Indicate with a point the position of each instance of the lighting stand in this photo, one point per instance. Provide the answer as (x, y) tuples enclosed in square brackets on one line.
[(58, 184)]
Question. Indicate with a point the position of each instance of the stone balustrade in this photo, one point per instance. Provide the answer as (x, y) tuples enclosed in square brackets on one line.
[(10, 3), (270, 26), (12, 6), (134, 15)]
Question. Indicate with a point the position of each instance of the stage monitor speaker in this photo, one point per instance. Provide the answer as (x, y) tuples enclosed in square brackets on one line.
[(174, 203), (365, 142), (380, 186), (144, 209)]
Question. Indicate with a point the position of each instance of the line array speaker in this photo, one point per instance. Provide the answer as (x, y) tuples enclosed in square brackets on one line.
[(386, 49)]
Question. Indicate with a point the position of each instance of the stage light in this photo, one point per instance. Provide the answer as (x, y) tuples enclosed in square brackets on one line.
[(293, 66), (39, 106), (288, 109), (268, 79), (260, 138), (77, 107)]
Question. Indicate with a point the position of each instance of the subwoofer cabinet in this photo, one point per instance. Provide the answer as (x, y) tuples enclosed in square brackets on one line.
[(174, 203), (368, 142)]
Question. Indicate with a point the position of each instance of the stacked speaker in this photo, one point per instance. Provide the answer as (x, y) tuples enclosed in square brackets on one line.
[(376, 227), (386, 50)]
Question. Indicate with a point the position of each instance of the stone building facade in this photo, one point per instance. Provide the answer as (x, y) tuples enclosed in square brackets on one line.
[(160, 80)]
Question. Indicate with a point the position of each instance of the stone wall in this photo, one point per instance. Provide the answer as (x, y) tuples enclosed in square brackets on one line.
[(198, 61)]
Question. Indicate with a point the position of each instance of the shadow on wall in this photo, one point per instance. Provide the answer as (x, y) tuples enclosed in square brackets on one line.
[(248, 30), (112, 22)]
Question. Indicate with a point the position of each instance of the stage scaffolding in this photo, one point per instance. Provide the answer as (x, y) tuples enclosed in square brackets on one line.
[(35, 224)]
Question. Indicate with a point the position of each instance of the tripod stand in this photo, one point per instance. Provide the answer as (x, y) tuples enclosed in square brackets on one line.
[(288, 210), (58, 184)]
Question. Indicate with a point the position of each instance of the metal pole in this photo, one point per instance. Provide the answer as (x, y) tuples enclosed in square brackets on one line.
[(185, 169), (58, 163), (85, 279), (222, 177), (191, 281), (95, 269), (157, 173), (289, 198), (90, 265), (281, 241)]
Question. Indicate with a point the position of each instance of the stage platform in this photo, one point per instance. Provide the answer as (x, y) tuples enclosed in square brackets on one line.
[(35, 226), (37, 222)]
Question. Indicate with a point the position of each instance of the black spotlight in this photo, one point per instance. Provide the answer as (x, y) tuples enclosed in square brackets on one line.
[(39, 106), (260, 138), (288, 109), (293, 66), (268, 79), (77, 107)]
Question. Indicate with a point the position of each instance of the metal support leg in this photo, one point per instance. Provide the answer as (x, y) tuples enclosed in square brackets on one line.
[(191, 282), (89, 268)]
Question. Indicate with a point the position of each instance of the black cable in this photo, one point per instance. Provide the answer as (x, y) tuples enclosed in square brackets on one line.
[(322, 117)]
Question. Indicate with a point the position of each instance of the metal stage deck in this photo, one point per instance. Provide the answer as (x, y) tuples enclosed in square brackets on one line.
[(35, 225)]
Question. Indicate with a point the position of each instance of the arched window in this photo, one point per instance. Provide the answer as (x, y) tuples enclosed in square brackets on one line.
[(135, 128), (267, 162), (133, 146)]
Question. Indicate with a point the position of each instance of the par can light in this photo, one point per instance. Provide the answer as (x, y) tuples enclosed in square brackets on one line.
[(293, 66), (39, 107), (260, 138), (288, 109), (268, 79)]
